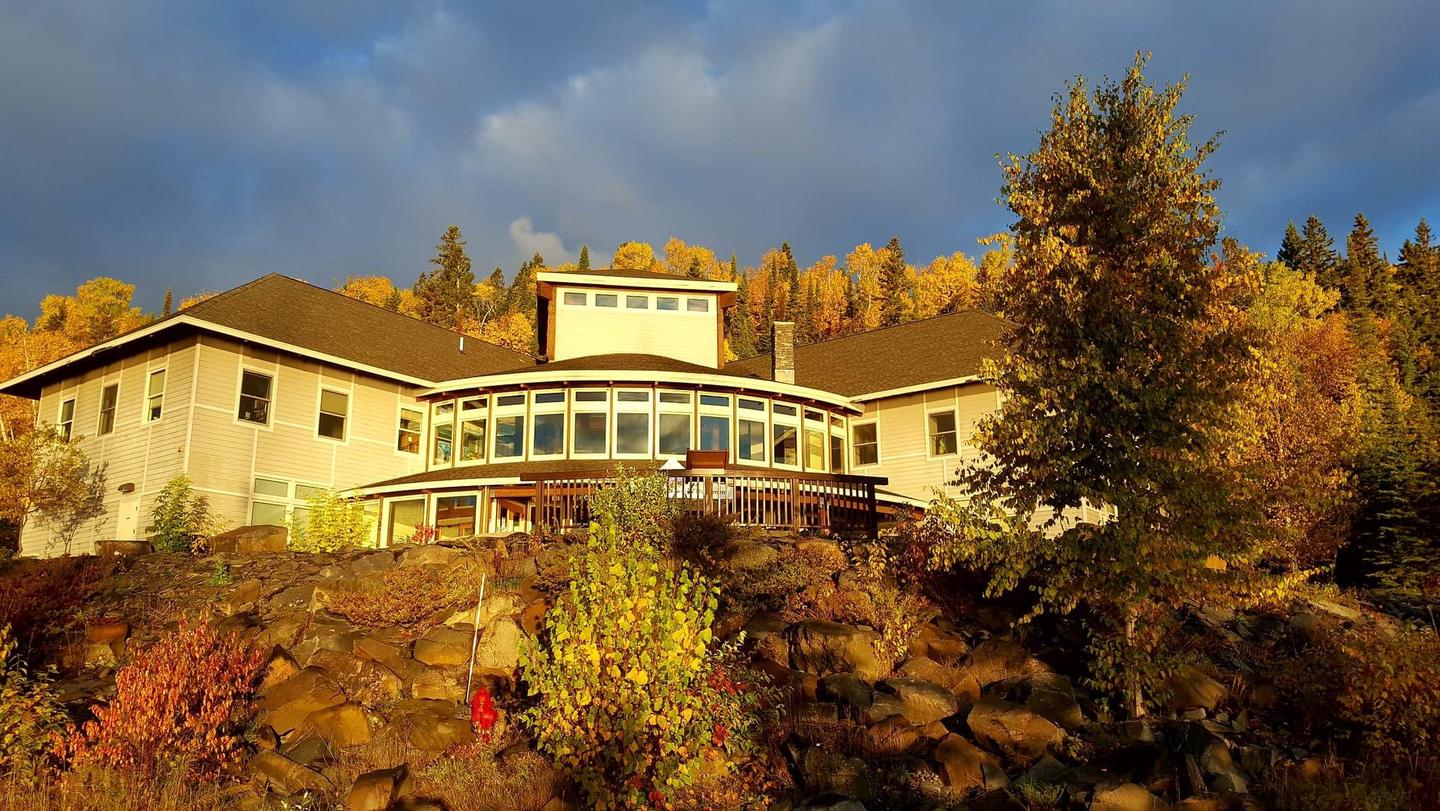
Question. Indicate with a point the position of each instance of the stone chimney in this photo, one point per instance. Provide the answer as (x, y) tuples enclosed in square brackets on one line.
[(782, 355)]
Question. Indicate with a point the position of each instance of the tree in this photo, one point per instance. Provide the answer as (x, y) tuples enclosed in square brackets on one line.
[(43, 475), (1126, 355), (443, 295), (583, 266), (892, 285), (1418, 300), (948, 284), (382, 292), (169, 305), (739, 329), (1290, 246), (1365, 284), (636, 256), (1316, 255), (100, 310)]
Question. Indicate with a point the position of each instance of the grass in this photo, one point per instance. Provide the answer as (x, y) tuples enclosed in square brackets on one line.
[(35, 788)]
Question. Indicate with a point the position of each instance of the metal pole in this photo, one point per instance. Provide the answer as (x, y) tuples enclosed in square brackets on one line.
[(475, 637)]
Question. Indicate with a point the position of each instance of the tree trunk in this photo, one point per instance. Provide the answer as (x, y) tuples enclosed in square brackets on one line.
[(1134, 700)]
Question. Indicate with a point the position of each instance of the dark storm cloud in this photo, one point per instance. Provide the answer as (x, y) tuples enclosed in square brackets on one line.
[(197, 147)]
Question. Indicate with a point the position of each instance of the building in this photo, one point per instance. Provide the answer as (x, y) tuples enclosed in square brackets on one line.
[(276, 390)]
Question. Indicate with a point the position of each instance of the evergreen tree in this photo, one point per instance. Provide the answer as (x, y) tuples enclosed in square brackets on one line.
[(739, 329), (853, 302), (892, 285), (169, 305), (1316, 254), (584, 263), (1115, 387), (804, 312), (1417, 330), (734, 269), (694, 272), (790, 276), (444, 294), (521, 298), (1365, 284), (1290, 247)]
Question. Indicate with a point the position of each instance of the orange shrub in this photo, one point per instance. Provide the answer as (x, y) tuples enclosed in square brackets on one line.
[(180, 703)]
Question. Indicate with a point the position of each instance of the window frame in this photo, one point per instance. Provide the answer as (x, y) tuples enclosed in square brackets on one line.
[(240, 395), (637, 301), (579, 407), (65, 425), (607, 301), (387, 519), (930, 435), (320, 411), (567, 295), (480, 414), (401, 430), (856, 444), (101, 429), (691, 301), (754, 416), (632, 407), (673, 409), (147, 411), (439, 421), (705, 410), (432, 511), (810, 428), (547, 409), (778, 420)]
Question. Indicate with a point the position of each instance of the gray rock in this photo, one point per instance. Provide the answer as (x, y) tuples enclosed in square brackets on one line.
[(1012, 728), (921, 701), (255, 538), (1190, 687), (966, 767), (1127, 797), (823, 648)]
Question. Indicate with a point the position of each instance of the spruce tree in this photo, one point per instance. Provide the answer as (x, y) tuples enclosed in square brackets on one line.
[(734, 269), (521, 297), (1316, 254), (169, 305), (1365, 284), (739, 329), (892, 285), (445, 293), (694, 271), (584, 263), (1290, 247)]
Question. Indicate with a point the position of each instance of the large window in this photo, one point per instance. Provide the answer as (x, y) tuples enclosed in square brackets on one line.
[(155, 395), (632, 422), (65, 422), (750, 440), (714, 422), (509, 427), (455, 516), (334, 411), (472, 428), (787, 446), (254, 397), (943, 437), (408, 436), (867, 444), (816, 447), (837, 453), (108, 397), (442, 426), (675, 422), (590, 421), (548, 433), (405, 517)]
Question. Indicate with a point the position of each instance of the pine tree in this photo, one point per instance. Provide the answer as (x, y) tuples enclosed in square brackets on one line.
[(1365, 284), (169, 305), (694, 272), (1316, 255), (892, 285), (739, 329), (444, 294), (521, 296), (584, 264), (1290, 246), (734, 268), (1418, 314), (804, 312)]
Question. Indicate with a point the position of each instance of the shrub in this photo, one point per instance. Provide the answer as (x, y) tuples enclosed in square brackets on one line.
[(181, 703), (180, 518), (639, 506), (332, 522), (38, 597), (797, 570), (407, 596), (628, 698), (699, 536), (31, 717)]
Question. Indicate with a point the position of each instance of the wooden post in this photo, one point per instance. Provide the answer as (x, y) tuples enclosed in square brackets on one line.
[(708, 506), (795, 504), (872, 511), (539, 507)]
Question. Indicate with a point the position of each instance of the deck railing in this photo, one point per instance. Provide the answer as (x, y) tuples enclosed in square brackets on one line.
[(813, 502)]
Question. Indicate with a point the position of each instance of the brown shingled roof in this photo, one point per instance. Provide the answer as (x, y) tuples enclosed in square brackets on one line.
[(926, 351)]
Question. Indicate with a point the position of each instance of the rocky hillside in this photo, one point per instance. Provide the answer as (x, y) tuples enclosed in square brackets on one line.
[(887, 700)]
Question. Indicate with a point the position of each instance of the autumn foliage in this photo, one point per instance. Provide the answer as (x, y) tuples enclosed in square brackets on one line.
[(181, 703)]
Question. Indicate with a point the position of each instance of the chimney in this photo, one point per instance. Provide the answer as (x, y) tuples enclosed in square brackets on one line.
[(782, 354)]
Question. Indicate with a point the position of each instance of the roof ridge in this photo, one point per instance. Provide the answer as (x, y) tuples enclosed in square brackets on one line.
[(376, 306), (879, 329)]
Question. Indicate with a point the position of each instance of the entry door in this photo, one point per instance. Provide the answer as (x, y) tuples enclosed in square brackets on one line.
[(128, 523)]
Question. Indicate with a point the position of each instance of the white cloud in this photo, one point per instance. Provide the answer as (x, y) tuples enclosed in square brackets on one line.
[(528, 242)]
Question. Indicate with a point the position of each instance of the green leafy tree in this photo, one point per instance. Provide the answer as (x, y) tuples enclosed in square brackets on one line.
[(45, 477), (331, 522), (179, 516), (892, 285), (444, 294), (1126, 356), (32, 718)]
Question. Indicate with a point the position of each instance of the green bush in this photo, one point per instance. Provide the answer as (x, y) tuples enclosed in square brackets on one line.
[(31, 718), (332, 522), (180, 518), (629, 683), (639, 506)]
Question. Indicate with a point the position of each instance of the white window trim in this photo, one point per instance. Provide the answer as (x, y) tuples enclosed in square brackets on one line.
[(728, 411), (400, 408), (274, 375), (538, 409), (822, 427), (436, 423), (578, 407), (458, 433), (383, 529), (349, 411), (432, 510), (647, 408), (929, 438), (499, 412), (855, 446), (69, 425), (100, 410), (761, 416), (150, 372), (687, 409), (796, 422)]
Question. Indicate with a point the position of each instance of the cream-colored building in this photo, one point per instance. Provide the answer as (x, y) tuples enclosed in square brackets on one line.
[(277, 390)]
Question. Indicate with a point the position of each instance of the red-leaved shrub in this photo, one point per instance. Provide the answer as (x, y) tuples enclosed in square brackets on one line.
[(181, 703)]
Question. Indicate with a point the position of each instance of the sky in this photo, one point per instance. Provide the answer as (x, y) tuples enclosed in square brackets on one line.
[(196, 146)]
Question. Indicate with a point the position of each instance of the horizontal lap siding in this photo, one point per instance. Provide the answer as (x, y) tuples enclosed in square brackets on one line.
[(903, 431)]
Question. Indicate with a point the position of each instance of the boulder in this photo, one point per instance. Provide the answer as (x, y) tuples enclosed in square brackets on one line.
[(1127, 797), (286, 776), (371, 562), (498, 653), (1013, 729), (822, 648), (286, 706), (532, 618), (996, 660), (279, 667), (921, 702), (107, 549), (444, 684), (846, 689), (362, 680), (824, 771), (242, 596), (436, 733), (443, 646), (883, 706), (341, 725), (957, 681), (255, 538), (379, 651), (890, 737), (378, 790), (430, 555), (1190, 687), (967, 767), (104, 633), (750, 556), (943, 646)]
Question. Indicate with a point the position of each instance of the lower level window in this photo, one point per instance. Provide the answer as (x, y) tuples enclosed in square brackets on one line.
[(590, 432), (674, 433), (814, 450), (837, 453), (750, 440), (264, 513), (405, 517), (867, 444), (632, 433), (714, 433), (787, 445), (509, 437), (549, 434), (455, 516)]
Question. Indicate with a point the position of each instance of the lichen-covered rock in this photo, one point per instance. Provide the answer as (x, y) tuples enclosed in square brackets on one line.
[(364, 681), (940, 645), (341, 725), (822, 648), (920, 701), (1013, 729), (286, 776), (957, 681), (443, 646), (967, 767), (996, 660), (251, 539), (498, 652), (436, 733), (286, 706), (378, 790)]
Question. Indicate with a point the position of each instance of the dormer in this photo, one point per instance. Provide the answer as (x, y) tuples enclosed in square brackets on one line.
[(604, 312)]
